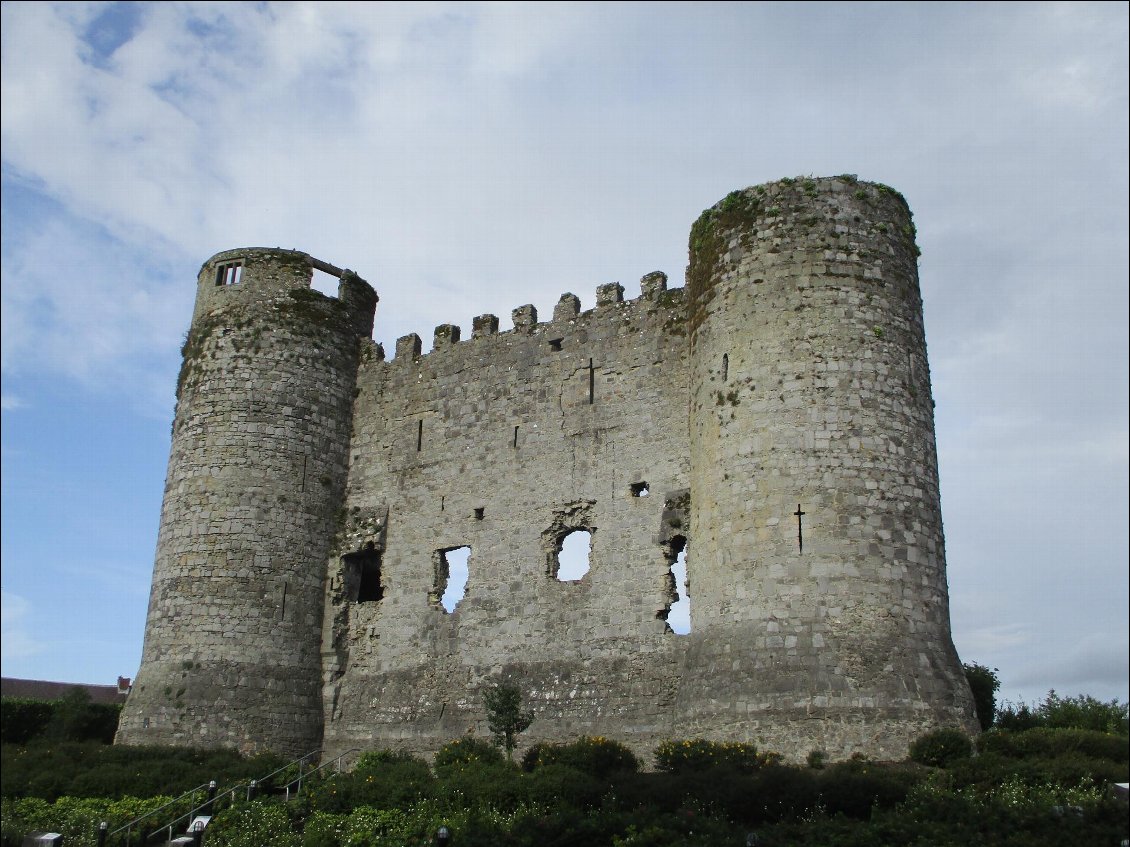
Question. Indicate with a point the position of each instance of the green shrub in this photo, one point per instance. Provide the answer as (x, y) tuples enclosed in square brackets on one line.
[(856, 789), (380, 780), (1055, 712), (593, 755), (941, 747), (1084, 712), (363, 827), (1048, 742), (254, 824), (780, 792), (71, 718), (76, 818), (1012, 717), (984, 683), (97, 770), (561, 786), (991, 769), (324, 829), (22, 719), (699, 754), (483, 785), (633, 790), (468, 750)]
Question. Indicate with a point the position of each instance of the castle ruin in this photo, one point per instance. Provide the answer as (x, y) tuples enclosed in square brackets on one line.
[(773, 419)]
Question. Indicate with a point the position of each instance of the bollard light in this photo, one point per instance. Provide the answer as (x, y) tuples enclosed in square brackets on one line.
[(443, 836), (103, 831)]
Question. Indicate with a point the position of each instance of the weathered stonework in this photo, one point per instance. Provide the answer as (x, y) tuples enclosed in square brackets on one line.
[(314, 489)]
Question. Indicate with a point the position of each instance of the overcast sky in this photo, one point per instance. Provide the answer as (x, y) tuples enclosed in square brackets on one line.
[(469, 158)]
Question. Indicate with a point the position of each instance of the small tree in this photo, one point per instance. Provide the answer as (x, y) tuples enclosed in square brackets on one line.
[(505, 716), (984, 682)]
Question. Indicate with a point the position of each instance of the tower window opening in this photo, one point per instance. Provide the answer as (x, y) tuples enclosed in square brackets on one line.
[(451, 569), (725, 366), (229, 273), (571, 561), (363, 580), (324, 283), (677, 612), (640, 489), (480, 512), (555, 344)]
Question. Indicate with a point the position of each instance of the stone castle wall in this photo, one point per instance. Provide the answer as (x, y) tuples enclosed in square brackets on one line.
[(811, 395), (504, 443), (256, 475), (789, 376)]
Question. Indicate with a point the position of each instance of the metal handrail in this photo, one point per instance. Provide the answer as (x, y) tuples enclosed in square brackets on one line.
[(248, 789), (297, 783), (297, 761), (129, 826)]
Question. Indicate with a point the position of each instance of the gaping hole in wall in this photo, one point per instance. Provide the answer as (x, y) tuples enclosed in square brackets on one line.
[(325, 283), (451, 577), (363, 575), (640, 489), (229, 273), (573, 556), (677, 612), (555, 344)]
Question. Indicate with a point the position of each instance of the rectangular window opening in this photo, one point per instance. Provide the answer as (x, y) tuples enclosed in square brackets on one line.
[(229, 273), (676, 611), (419, 435), (452, 565), (363, 579)]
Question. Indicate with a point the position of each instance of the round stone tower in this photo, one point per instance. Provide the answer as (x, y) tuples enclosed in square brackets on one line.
[(817, 566), (255, 482)]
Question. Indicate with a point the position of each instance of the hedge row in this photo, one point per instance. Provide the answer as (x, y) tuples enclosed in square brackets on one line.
[(49, 771), (932, 812), (591, 792), (71, 718)]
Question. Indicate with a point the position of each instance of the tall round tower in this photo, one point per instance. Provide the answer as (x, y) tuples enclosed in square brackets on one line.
[(817, 565), (255, 482)]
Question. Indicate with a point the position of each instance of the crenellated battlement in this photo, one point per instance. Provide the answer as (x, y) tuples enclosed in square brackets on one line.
[(656, 304)]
